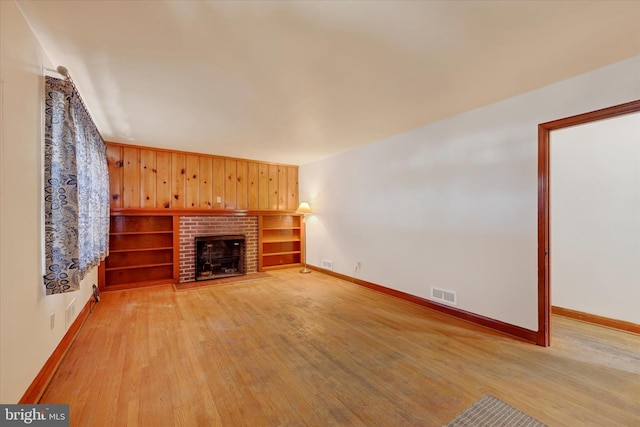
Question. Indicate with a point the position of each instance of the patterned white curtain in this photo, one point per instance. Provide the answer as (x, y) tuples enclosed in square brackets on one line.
[(76, 190)]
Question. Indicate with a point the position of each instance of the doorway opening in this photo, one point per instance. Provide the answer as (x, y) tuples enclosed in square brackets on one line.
[(544, 227)]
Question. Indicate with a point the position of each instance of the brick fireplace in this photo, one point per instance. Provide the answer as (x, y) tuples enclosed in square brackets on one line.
[(198, 226)]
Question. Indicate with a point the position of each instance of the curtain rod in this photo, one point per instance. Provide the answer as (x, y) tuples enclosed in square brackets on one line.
[(61, 70)]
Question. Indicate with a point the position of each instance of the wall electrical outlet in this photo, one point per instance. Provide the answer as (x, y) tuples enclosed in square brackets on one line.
[(218, 199), (327, 264), (358, 267), (52, 320)]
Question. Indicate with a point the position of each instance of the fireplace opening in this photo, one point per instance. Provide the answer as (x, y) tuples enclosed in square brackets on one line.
[(219, 256)]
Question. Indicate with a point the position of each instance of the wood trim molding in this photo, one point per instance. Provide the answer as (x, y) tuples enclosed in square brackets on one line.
[(102, 275), (544, 226), (197, 212), (597, 320), (176, 248), (496, 325), (260, 249), (42, 380), (544, 293), (593, 116)]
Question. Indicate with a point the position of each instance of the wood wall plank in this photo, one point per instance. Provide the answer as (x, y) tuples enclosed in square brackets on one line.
[(131, 178), (253, 194), (206, 182), (150, 178), (178, 180), (193, 183), (241, 185), (163, 179), (273, 187), (230, 184), (219, 182), (263, 185), (147, 179), (114, 166), (282, 188), (292, 187)]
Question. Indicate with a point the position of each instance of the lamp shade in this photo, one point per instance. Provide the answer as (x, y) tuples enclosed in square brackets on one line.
[(304, 208)]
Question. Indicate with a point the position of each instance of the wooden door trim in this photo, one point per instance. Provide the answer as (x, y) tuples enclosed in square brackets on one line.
[(544, 129)]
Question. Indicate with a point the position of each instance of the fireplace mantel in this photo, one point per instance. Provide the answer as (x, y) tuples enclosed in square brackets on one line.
[(197, 212)]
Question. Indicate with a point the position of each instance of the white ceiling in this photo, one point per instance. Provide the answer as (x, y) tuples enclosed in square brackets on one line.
[(294, 82)]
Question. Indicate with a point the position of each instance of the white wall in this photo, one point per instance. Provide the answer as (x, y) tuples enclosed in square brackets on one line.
[(26, 341), (595, 217), (452, 204)]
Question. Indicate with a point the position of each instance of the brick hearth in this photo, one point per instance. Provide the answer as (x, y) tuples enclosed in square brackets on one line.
[(194, 226)]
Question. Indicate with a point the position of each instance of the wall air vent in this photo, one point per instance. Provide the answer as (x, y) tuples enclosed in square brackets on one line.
[(445, 296)]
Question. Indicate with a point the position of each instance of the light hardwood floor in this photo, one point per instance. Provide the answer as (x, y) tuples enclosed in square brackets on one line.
[(298, 350)]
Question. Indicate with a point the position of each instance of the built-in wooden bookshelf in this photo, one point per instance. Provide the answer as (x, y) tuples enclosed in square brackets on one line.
[(280, 241), (151, 188), (142, 251)]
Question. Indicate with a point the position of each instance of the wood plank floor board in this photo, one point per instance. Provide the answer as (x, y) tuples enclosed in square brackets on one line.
[(312, 350)]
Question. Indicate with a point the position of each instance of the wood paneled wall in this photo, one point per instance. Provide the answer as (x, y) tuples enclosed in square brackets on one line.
[(149, 178)]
